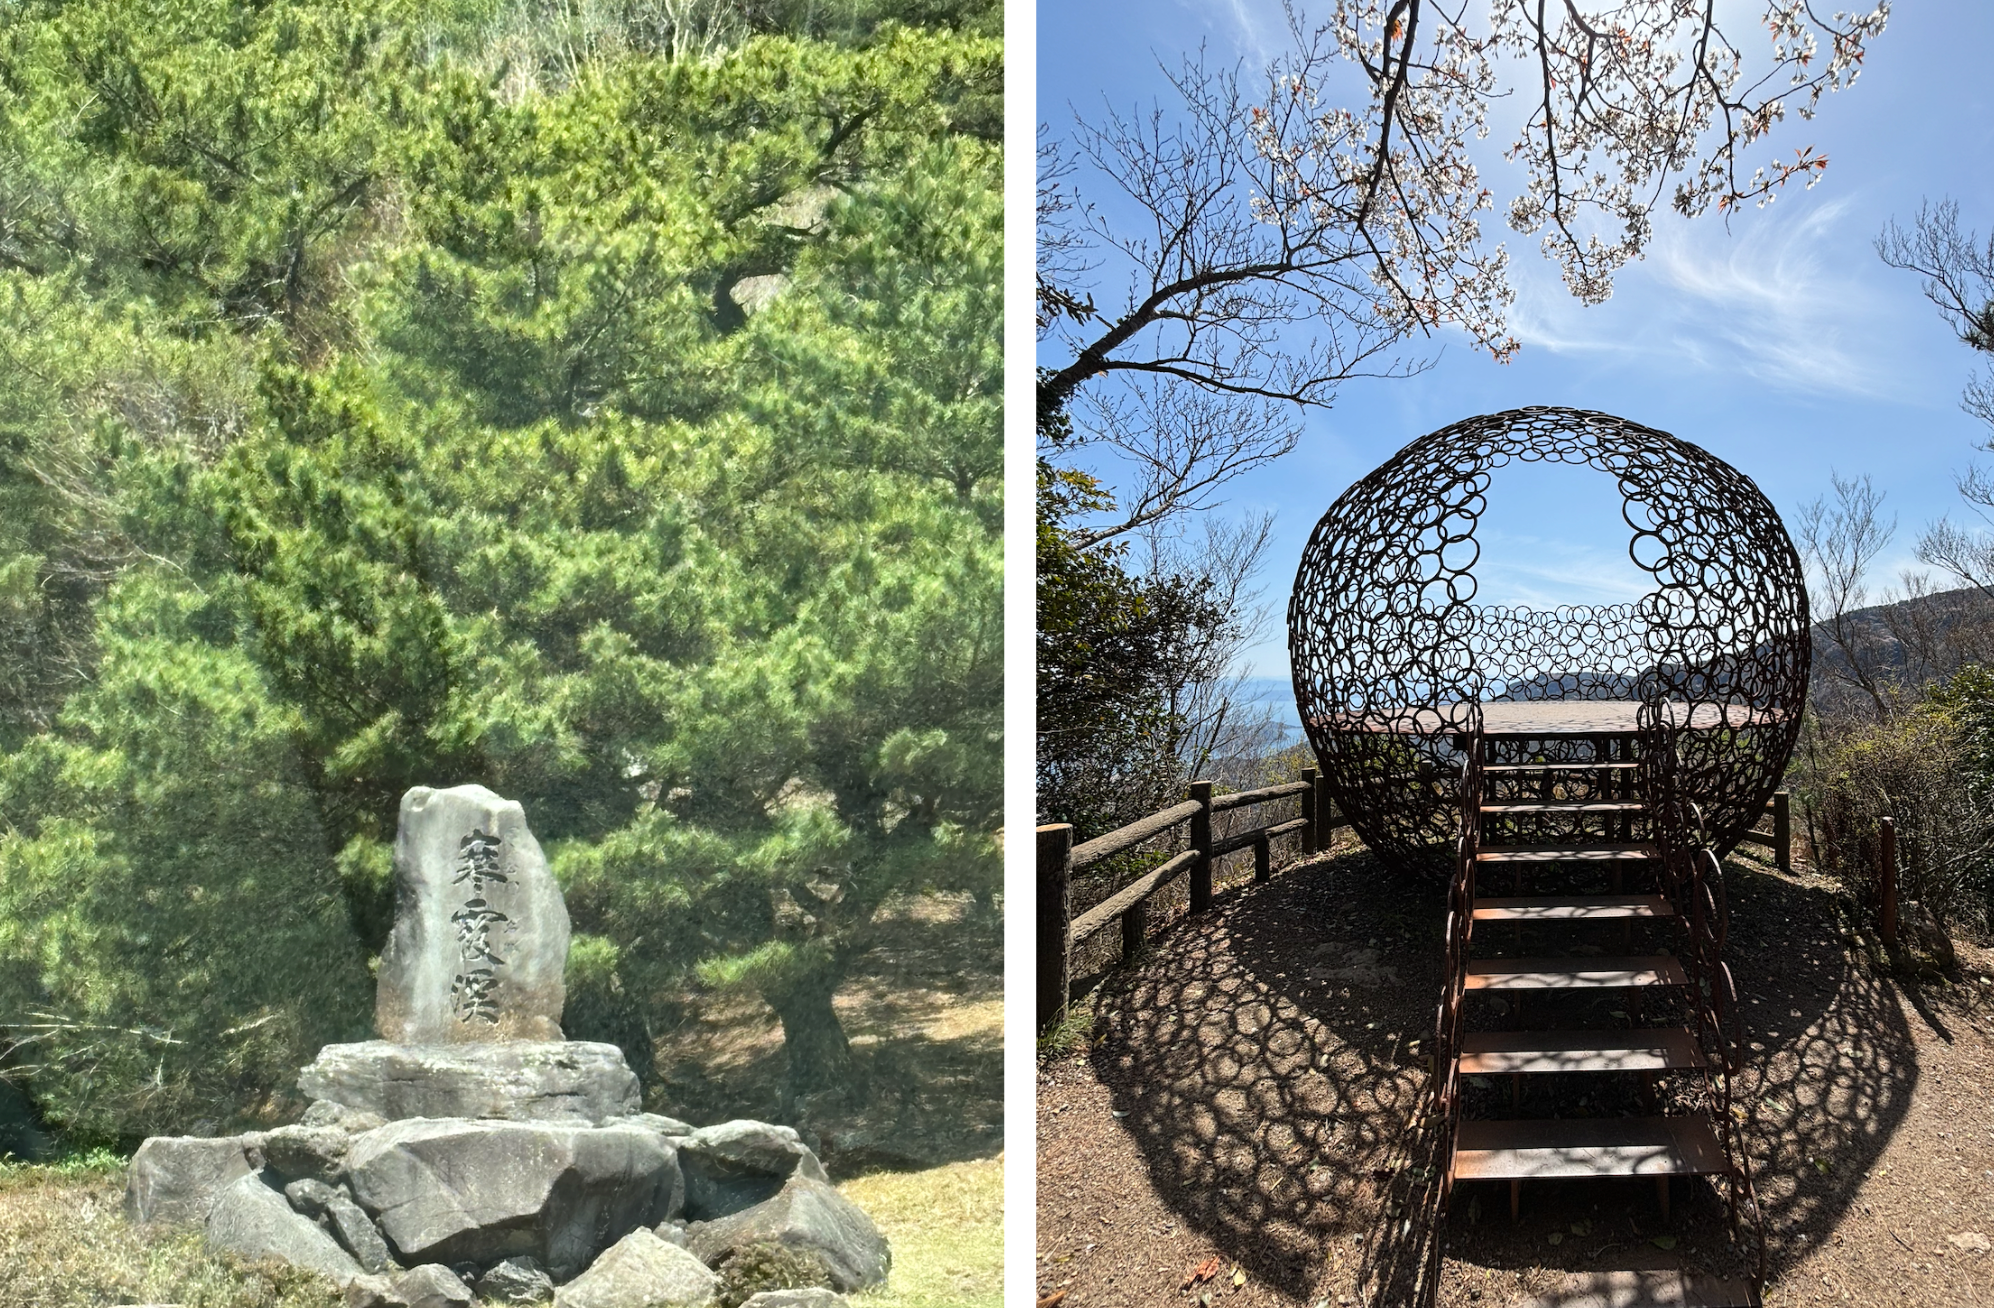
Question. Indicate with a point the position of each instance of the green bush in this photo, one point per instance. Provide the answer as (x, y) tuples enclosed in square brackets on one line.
[(1924, 767)]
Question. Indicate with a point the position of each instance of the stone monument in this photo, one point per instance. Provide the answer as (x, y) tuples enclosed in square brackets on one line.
[(468, 1000), (480, 940), (473, 1148)]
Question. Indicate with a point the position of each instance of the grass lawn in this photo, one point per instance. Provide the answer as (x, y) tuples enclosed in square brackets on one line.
[(64, 1241), (946, 1226)]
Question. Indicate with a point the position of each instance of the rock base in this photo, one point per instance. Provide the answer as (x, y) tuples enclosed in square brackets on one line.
[(568, 1081), (588, 1207)]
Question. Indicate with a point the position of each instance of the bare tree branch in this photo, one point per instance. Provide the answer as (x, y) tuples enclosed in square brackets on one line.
[(1839, 544)]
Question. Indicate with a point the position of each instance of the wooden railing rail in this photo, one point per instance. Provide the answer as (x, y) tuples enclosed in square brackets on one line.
[(1059, 859), (1780, 839), (1126, 838), (1260, 796)]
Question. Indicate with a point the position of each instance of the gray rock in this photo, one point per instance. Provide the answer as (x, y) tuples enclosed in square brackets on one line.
[(480, 942), (296, 1152), (334, 1209), (814, 1297), (428, 1286), (367, 1292), (516, 1281), (175, 1178), (323, 1112), (536, 1081), (455, 1190), (670, 1233), (807, 1215), (641, 1271), (253, 1221), (736, 1165), (669, 1127)]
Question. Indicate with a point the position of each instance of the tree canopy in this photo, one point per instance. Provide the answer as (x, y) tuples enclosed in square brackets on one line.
[(607, 415)]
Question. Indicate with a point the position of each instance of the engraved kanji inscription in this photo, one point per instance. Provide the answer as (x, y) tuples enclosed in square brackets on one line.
[(478, 861), (474, 990), (474, 924), (472, 995)]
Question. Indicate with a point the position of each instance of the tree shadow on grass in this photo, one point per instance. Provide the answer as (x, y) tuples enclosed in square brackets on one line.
[(1271, 1060), (924, 1014)]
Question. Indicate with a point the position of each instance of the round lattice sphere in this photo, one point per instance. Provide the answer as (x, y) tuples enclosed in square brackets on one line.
[(1390, 649)]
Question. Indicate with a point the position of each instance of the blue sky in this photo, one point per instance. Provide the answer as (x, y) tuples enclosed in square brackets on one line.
[(1783, 345)]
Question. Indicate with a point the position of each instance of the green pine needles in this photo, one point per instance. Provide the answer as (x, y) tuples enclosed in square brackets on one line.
[(608, 417)]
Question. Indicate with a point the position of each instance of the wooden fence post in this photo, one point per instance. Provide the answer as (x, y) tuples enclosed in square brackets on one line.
[(1312, 841), (1135, 926), (1782, 830), (1201, 841), (1324, 825), (1889, 881), (1055, 911), (1263, 858)]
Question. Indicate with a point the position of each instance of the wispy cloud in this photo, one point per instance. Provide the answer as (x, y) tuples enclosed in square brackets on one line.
[(1782, 298), (1544, 573), (1253, 30)]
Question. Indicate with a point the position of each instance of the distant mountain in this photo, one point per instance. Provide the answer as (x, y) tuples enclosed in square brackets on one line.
[(1931, 635)]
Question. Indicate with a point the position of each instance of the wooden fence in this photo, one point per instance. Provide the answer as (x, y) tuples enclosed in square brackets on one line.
[(1780, 839), (1059, 859), (1060, 932)]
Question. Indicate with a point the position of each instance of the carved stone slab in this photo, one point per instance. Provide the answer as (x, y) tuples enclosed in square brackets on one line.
[(480, 941), (558, 1081)]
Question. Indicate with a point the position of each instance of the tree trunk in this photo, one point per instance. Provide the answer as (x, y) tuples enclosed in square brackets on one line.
[(820, 1057)]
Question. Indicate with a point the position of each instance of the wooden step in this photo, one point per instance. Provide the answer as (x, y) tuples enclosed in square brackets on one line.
[(1510, 808), (1501, 769), (1586, 1146), (1595, 853), (1574, 973), (1648, 1287), (1570, 908), (1653, 1049)]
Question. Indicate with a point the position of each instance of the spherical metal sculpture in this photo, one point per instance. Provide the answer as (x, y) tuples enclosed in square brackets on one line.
[(1394, 661)]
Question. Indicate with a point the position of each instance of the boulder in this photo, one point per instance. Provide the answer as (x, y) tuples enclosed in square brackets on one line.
[(807, 1214), (297, 1152), (370, 1291), (251, 1220), (516, 1281), (480, 942), (641, 1271), (454, 1190), (333, 1208), (814, 1297), (552, 1081), (175, 1178), (669, 1127), (736, 1165), (323, 1112), (429, 1286)]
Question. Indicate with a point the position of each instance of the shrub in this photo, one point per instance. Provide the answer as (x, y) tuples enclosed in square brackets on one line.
[(1922, 767)]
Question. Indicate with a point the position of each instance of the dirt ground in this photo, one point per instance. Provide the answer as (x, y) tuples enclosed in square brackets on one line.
[(1249, 1100), (925, 1016)]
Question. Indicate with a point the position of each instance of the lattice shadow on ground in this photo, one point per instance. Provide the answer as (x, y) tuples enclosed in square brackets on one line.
[(1271, 1061)]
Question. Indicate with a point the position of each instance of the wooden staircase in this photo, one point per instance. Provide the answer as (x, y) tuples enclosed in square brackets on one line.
[(1564, 825)]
